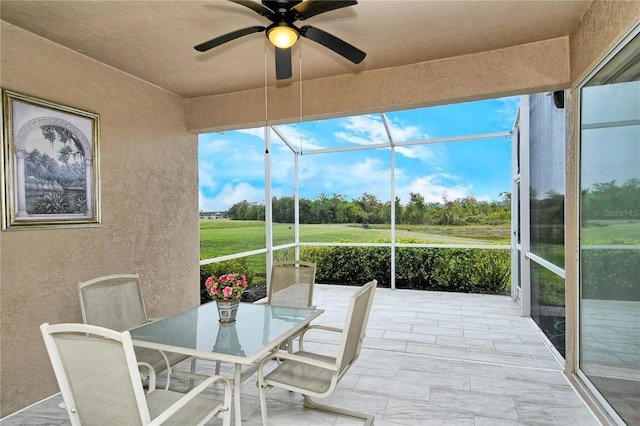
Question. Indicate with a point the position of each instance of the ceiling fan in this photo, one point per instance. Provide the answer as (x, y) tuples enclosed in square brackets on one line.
[(283, 34)]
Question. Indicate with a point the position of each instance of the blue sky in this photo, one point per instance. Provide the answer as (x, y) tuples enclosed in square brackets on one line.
[(231, 164)]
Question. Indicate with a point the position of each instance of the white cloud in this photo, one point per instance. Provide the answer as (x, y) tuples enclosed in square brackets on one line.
[(363, 130), (221, 160), (257, 132), (368, 130), (230, 195), (348, 178), (428, 154), (433, 188), (405, 133)]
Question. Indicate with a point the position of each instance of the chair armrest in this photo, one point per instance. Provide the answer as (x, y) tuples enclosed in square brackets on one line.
[(322, 327), (316, 327), (182, 402), (152, 374), (262, 301), (296, 358)]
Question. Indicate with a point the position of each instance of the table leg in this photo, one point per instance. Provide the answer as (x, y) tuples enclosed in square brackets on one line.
[(237, 383)]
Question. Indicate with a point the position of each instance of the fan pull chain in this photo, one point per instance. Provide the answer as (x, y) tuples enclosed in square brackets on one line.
[(300, 94)]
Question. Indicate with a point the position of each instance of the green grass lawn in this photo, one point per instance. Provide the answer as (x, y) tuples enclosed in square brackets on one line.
[(222, 237), (597, 231)]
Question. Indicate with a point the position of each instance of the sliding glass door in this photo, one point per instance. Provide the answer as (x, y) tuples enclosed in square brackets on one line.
[(610, 232)]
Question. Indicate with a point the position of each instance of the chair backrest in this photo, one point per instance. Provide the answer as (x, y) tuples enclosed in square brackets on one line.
[(292, 283), (98, 375), (112, 301), (355, 326)]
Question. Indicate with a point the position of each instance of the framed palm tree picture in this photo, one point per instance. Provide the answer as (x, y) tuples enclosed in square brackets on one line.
[(50, 164)]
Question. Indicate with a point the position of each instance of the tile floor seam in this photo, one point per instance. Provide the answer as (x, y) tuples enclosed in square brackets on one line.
[(470, 361)]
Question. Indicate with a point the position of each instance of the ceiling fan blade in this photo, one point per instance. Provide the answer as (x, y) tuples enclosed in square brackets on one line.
[(283, 63), (257, 7), (332, 42), (309, 8), (203, 47)]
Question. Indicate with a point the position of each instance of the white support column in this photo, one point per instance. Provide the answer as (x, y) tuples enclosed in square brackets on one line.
[(525, 209), (392, 144), (393, 218), (296, 203), (515, 209)]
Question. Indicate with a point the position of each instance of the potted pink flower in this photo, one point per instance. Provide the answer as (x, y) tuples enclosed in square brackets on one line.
[(227, 291)]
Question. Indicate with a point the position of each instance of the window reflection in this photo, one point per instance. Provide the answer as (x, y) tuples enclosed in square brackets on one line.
[(610, 231), (548, 305)]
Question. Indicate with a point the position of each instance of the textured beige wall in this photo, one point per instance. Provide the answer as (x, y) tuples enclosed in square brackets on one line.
[(530, 68), (149, 209), (602, 27)]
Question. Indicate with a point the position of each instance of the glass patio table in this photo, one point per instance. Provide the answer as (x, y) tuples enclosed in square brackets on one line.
[(259, 329)]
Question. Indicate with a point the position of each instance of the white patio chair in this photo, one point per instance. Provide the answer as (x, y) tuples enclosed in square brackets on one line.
[(98, 376), (291, 284), (316, 375), (115, 302)]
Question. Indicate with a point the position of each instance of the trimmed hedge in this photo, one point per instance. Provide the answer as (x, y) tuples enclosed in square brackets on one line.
[(441, 269), (438, 269)]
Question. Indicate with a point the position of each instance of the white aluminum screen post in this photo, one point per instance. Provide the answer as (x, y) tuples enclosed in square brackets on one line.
[(393, 218), (525, 209), (515, 209), (296, 204), (393, 201), (296, 190)]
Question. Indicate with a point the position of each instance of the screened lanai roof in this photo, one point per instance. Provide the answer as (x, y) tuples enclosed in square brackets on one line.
[(478, 164)]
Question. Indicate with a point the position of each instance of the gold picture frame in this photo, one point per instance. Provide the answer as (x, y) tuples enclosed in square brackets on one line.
[(50, 164)]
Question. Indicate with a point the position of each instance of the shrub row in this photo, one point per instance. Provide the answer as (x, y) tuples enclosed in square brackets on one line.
[(611, 274), (441, 269)]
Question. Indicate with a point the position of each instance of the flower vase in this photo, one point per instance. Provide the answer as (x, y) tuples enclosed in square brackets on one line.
[(227, 341), (227, 310)]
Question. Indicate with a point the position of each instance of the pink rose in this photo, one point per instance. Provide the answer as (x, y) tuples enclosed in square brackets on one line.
[(227, 291), (209, 282)]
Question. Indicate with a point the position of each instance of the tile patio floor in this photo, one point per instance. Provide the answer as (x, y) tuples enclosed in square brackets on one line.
[(429, 358)]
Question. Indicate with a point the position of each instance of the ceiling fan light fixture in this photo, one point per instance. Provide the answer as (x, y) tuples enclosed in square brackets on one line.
[(283, 35)]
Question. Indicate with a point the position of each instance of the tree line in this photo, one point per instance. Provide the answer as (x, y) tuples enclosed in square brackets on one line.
[(606, 200), (368, 209)]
